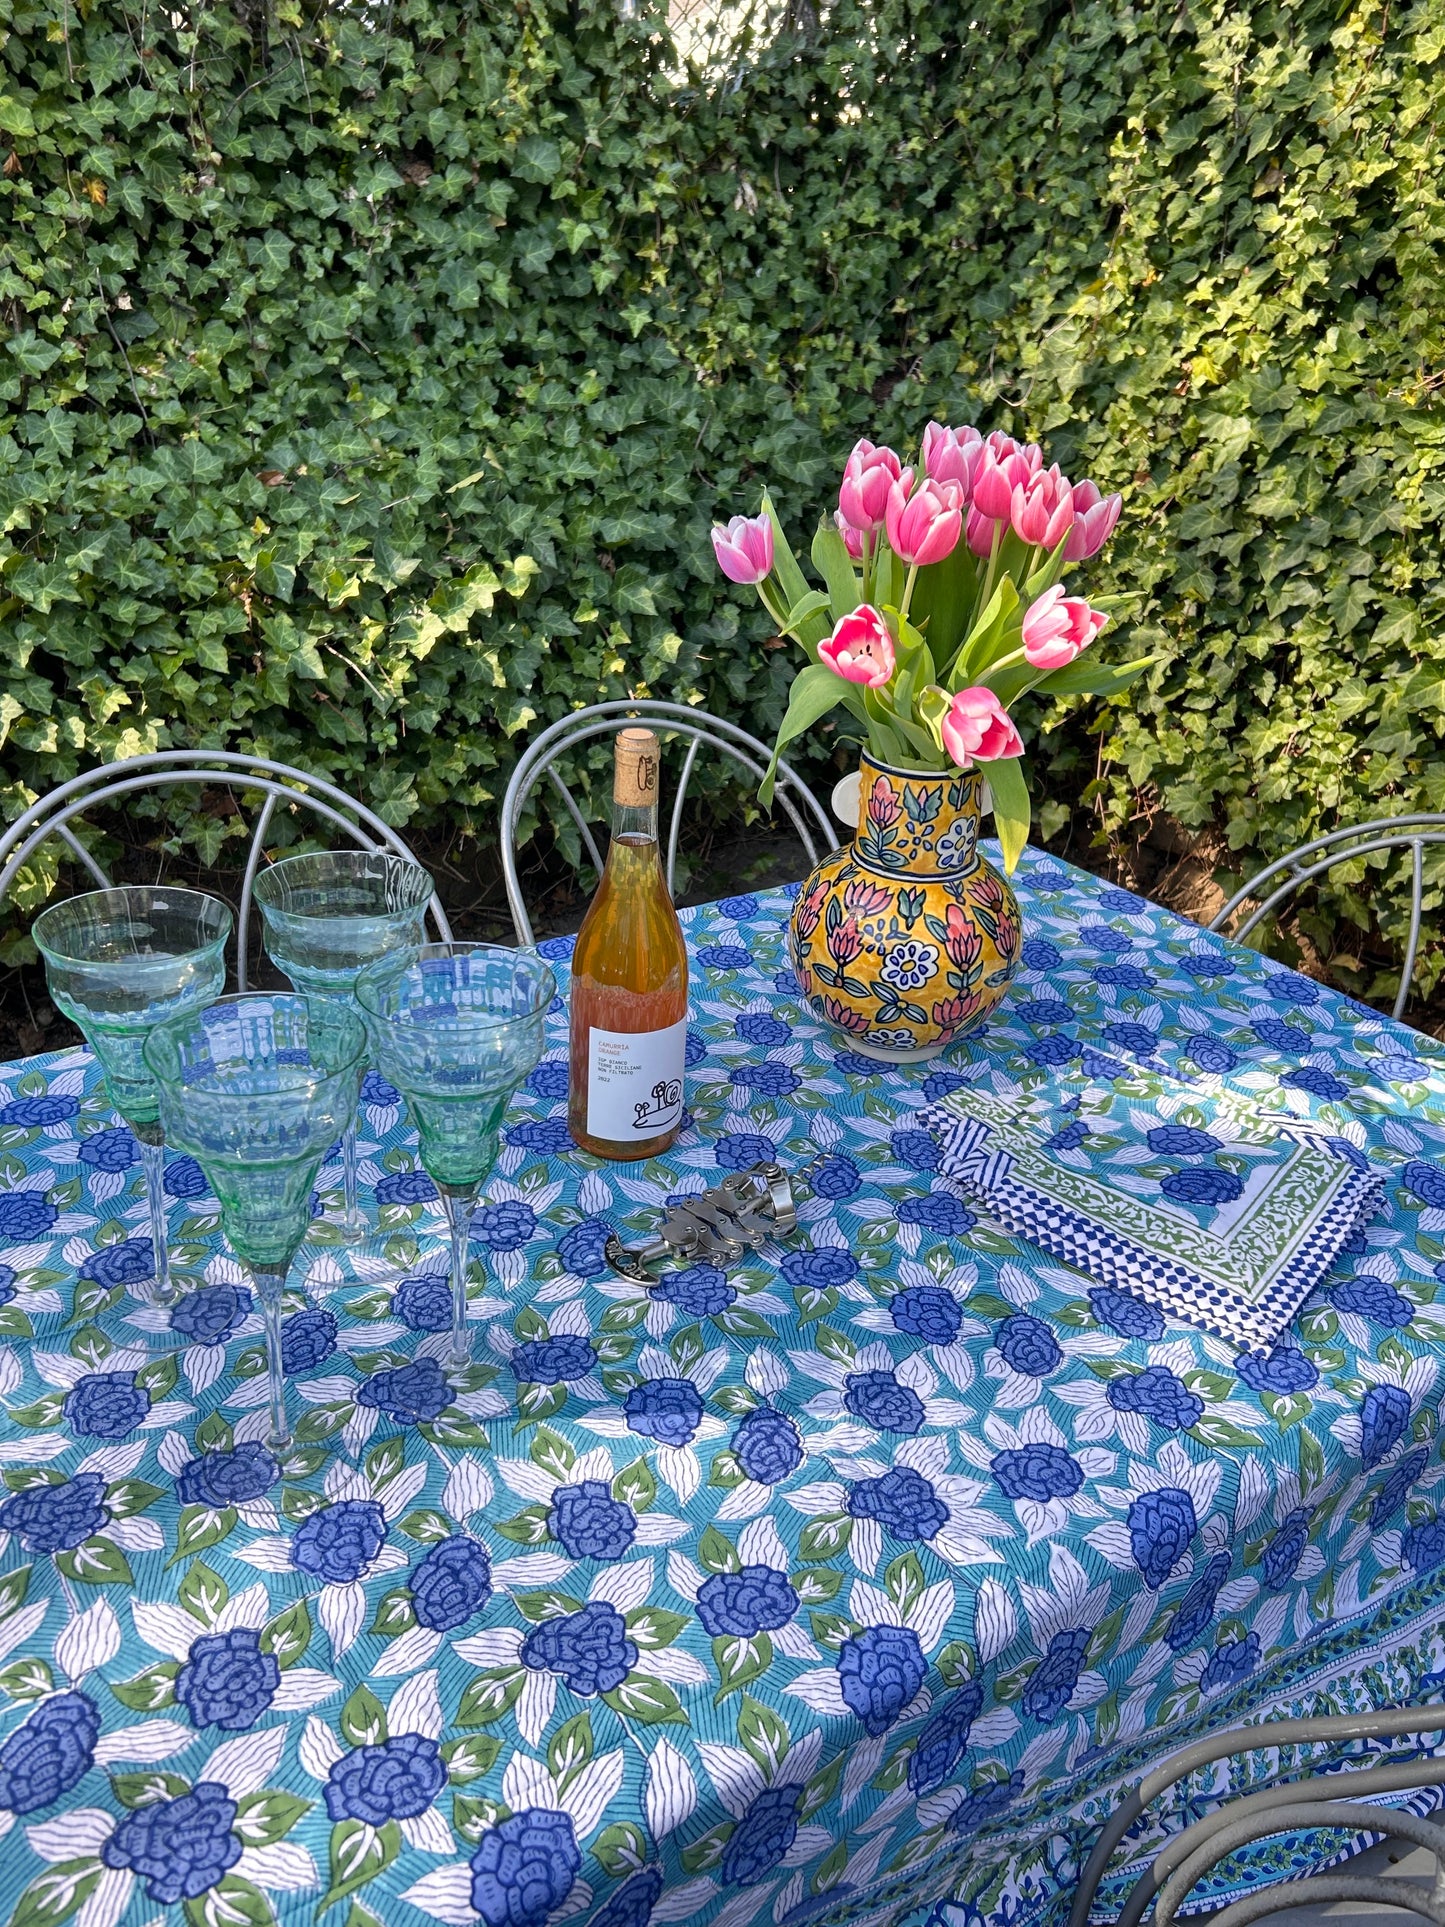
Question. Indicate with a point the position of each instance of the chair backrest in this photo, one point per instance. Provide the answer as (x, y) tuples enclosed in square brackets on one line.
[(54, 814), (1280, 879), (807, 815)]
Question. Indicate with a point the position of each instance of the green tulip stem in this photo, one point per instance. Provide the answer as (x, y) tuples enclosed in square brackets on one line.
[(270, 1287), (987, 590), (907, 592), (869, 547), (161, 1292), (459, 1201)]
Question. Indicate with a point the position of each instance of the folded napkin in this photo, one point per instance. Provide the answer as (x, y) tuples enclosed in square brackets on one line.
[(1207, 1207)]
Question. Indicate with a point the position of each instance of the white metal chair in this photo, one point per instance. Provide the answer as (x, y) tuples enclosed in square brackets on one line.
[(803, 810), (1280, 879), (53, 815)]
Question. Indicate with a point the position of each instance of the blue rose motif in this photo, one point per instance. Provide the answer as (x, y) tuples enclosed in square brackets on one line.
[(702, 1291), (395, 1780), (1207, 963), (1351, 1153), (1027, 1345), (8, 1291), (1427, 1181), (590, 1649), (1136, 1038), (1121, 903), (553, 1361), (758, 1599), (524, 1867), (589, 1522), (546, 1137), (227, 1681), (761, 1837), (1212, 1056), (550, 1079), (835, 1177), (1286, 1549), (903, 1502), (307, 1337), (760, 1027), (1160, 1395), (106, 1405), (405, 1187), (1039, 1472), (112, 1150), (1052, 1682), (985, 1803), (128, 1262), (31, 1113), (1195, 1611), (210, 1315), (820, 1270), (1128, 1316), (632, 1904), (879, 1400), (424, 1303), (879, 1672), (943, 1742), (936, 1086), (179, 1847), (1124, 976), (767, 1446), (1422, 1547), (1204, 1184), (339, 1541), (1182, 1141), (413, 1394), (1037, 954), (581, 1248), (1043, 1010), (1384, 1419), (451, 1584), (786, 981), (1161, 1525), (1070, 1137), (376, 1090), (768, 1079), (1392, 1493), (556, 949), (219, 1479), (505, 1227), (48, 1754), (1051, 1051), (938, 1211), (666, 1409), (919, 1150), (1373, 1298), (738, 908), (736, 1150), (927, 1312), (696, 1050), (185, 1179), (1287, 1038), (1283, 1369), (724, 956), (1287, 987), (56, 1518), (1231, 1663), (26, 1214), (1317, 1083)]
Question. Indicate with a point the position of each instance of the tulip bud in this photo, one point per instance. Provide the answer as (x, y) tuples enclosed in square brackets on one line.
[(860, 648), (979, 728), (852, 540), (952, 455), (993, 486), (979, 534), (1042, 511), (925, 527), (1094, 520), (867, 478), (1058, 627), (744, 549)]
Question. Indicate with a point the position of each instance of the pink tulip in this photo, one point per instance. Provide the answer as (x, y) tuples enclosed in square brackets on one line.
[(1042, 511), (1058, 627), (867, 478), (852, 540), (1094, 519), (925, 527), (979, 728), (996, 478), (744, 549), (860, 648), (979, 534), (952, 455)]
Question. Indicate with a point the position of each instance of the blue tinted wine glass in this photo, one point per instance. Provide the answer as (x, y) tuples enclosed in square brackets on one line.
[(457, 1027), (256, 1088), (327, 915), (117, 963)]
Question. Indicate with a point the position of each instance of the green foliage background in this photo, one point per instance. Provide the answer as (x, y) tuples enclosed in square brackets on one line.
[(371, 377)]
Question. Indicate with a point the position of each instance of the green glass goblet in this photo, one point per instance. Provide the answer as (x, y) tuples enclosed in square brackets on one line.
[(256, 1088), (457, 1027), (327, 915), (118, 963)]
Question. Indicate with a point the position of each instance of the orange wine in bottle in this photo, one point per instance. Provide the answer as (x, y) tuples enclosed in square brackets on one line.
[(629, 981)]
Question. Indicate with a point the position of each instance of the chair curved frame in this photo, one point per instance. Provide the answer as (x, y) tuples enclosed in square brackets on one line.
[(806, 814), (53, 814), (1311, 860)]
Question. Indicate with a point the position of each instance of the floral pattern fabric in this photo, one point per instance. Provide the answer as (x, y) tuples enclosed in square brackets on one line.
[(864, 1573)]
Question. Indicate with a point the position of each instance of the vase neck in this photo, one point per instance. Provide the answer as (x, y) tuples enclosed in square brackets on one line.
[(920, 822)]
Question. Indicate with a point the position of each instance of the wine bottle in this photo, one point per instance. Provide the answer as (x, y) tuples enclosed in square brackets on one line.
[(629, 981)]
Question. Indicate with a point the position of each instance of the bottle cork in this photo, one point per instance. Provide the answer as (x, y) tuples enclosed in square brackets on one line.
[(634, 781)]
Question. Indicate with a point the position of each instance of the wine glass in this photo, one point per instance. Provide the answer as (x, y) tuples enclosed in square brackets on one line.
[(117, 963), (256, 1088), (457, 1027), (327, 915)]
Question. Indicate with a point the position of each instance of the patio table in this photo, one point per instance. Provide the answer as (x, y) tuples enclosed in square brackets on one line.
[(866, 1573)]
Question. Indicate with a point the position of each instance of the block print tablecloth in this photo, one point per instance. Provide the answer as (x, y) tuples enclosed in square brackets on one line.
[(864, 1574)]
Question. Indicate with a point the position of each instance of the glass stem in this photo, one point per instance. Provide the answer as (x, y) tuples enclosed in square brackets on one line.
[(348, 1175), (160, 1291), (460, 1203), (270, 1284)]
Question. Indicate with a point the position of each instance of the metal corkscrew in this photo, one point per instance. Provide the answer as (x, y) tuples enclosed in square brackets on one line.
[(718, 1226)]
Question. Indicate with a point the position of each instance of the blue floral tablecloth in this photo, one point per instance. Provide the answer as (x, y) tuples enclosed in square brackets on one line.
[(863, 1575)]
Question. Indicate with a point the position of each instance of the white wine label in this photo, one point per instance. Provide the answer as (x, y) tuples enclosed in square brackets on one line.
[(634, 1082)]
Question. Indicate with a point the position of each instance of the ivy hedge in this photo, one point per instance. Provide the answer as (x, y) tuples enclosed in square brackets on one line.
[(372, 374)]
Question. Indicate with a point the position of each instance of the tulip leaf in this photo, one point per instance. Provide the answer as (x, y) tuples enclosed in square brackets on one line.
[(1085, 678), (810, 604), (985, 641), (794, 583), (1010, 807), (833, 562), (942, 597), (1048, 571), (815, 691)]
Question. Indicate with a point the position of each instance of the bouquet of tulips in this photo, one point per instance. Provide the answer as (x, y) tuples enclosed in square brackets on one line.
[(943, 604)]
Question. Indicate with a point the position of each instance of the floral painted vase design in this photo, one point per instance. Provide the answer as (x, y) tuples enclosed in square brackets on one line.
[(906, 939)]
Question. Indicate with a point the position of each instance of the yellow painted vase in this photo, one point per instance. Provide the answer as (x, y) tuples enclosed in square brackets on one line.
[(906, 938)]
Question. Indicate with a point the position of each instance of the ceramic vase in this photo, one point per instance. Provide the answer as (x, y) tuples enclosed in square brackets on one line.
[(906, 939)]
